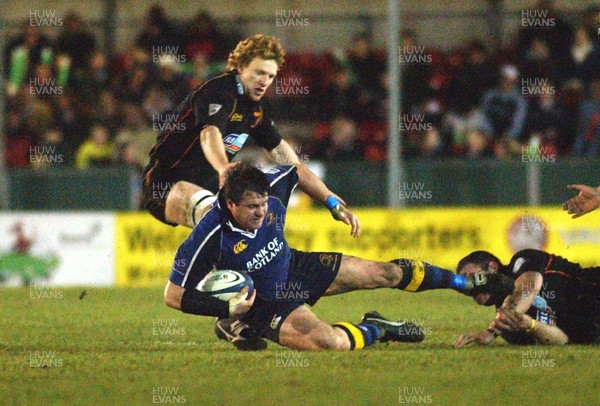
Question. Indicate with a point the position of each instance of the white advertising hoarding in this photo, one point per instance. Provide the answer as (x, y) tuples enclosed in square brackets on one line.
[(59, 249)]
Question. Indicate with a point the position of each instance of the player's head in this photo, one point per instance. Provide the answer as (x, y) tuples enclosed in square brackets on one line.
[(257, 59), (476, 262), (246, 193)]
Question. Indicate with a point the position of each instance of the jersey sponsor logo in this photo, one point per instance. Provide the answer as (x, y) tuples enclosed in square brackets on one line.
[(265, 255), (518, 263), (234, 142), (237, 117), (213, 109), (240, 246), (275, 321), (548, 317)]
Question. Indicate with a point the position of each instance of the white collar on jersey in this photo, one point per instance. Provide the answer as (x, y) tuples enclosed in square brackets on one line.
[(243, 232), (239, 85)]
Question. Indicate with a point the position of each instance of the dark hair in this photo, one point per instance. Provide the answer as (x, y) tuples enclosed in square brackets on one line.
[(481, 258), (244, 178)]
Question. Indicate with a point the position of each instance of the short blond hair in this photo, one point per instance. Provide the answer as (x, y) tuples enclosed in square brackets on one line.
[(259, 45)]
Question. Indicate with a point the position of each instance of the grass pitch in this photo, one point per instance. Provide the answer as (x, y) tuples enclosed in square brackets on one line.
[(124, 347)]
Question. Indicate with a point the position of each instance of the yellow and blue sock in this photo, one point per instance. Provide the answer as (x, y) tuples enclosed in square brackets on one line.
[(360, 335), (418, 276)]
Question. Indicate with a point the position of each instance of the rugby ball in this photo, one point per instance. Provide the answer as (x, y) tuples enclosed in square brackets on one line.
[(225, 284)]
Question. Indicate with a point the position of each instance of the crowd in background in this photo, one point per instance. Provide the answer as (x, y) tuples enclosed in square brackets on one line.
[(542, 89)]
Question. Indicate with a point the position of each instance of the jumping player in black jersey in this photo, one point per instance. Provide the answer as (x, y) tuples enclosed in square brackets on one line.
[(554, 301), (209, 127)]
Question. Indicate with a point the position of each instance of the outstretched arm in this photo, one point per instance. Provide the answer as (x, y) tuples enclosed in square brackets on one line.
[(511, 317), (586, 201), (314, 187)]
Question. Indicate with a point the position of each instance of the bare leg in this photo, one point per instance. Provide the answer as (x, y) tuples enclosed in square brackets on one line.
[(180, 203), (302, 330), (356, 273)]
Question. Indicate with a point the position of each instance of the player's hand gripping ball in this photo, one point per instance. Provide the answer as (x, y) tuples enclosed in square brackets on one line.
[(225, 284)]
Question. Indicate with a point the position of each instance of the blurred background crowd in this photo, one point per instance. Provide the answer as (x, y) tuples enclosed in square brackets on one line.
[(540, 89)]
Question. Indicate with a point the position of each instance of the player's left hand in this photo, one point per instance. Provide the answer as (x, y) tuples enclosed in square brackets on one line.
[(482, 338), (341, 213)]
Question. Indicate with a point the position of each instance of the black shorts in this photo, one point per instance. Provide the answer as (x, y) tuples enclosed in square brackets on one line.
[(157, 183), (311, 274)]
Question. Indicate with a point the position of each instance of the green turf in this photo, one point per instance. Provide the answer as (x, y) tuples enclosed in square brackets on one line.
[(123, 346)]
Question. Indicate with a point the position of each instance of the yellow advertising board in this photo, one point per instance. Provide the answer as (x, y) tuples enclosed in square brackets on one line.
[(146, 247), (444, 235)]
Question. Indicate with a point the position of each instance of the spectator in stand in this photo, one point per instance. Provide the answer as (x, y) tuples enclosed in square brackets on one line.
[(341, 96), (478, 144), (135, 85), (460, 91), (365, 64), (96, 80), (457, 123), (156, 102), (172, 84), (158, 33), (506, 108), (97, 151), (108, 111), (414, 75), (432, 144), (339, 142), (546, 118), (585, 58), (136, 131), (78, 45), (204, 38), (479, 71), (572, 95), (23, 53), (71, 121), (538, 64), (200, 72), (55, 151), (588, 135), (18, 140), (552, 28)]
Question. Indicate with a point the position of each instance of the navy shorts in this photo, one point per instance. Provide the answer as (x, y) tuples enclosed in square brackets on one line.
[(311, 274), (157, 184)]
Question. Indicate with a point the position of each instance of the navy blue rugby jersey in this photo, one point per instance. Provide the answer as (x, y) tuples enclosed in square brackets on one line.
[(216, 243)]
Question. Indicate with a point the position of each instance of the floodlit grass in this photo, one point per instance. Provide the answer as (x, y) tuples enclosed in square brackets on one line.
[(124, 347)]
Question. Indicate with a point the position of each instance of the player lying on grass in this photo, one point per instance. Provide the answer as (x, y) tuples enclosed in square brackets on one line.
[(586, 201), (554, 301), (244, 231)]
